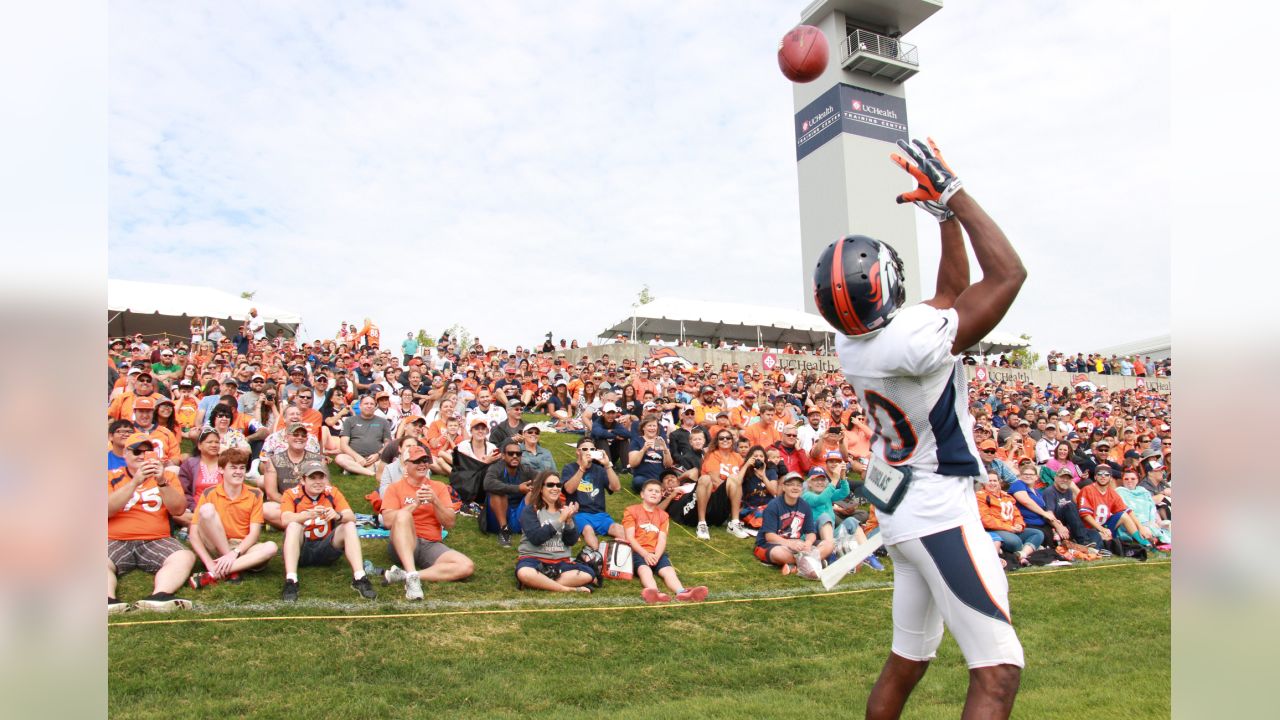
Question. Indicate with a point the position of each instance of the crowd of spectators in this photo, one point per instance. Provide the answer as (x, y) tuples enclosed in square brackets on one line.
[(770, 455)]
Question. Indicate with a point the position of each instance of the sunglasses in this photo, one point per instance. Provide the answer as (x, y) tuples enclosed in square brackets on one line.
[(553, 486), (139, 451), (420, 461), (724, 438), (511, 453)]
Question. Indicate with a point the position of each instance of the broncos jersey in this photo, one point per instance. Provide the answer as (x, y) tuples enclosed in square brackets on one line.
[(916, 394)]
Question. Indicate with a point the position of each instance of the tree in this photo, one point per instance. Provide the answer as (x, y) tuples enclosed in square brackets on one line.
[(424, 339), (460, 335), (248, 294), (645, 296), (1024, 357)]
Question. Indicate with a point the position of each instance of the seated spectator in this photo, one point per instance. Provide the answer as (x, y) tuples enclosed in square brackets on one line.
[(199, 473), (512, 427), (646, 527), (759, 486), (319, 528), (612, 434), (417, 510), (1061, 460), (117, 433), (1003, 523), (363, 436), (1161, 491), (587, 483), (649, 453), (141, 498), (1035, 511), (534, 456), (789, 533), (719, 489), (797, 460), (228, 521), (1103, 510), (283, 470), (144, 421), (544, 560), (1143, 507), (394, 470), (506, 484), (821, 495)]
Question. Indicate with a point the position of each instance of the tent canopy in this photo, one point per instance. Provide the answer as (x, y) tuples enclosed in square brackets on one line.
[(165, 309), (753, 325), (998, 342)]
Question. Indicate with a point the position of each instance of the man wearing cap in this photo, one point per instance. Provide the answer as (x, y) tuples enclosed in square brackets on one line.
[(512, 427), (363, 436), (297, 381), (143, 385), (319, 527), (485, 407), (812, 430), (613, 435), (795, 457), (141, 498), (282, 471), (706, 406), (789, 531), (1047, 443), (165, 371), (167, 443), (417, 510)]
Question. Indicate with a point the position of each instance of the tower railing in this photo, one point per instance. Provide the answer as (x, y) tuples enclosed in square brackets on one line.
[(865, 41)]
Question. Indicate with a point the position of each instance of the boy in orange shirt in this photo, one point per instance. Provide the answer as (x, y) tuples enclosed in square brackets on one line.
[(320, 527), (646, 526), (228, 520)]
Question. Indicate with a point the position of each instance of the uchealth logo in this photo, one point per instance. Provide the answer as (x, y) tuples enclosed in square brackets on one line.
[(857, 104), (872, 110), (804, 126)]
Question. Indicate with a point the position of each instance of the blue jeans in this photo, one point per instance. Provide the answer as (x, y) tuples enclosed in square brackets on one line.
[(1014, 542)]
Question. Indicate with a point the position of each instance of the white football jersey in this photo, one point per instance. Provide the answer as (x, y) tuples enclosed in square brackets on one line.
[(916, 397)]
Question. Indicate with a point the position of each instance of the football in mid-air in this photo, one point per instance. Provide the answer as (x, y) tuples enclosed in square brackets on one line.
[(803, 54)]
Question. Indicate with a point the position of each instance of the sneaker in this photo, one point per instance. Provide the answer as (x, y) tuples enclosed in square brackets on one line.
[(372, 570), (504, 537), (234, 578), (874, 563), (163, 602), (393, 574), (413, 587), (693, 594), (1104, 553), (290, 592), (115, 606), (469, 510), (737, 529), (181, 534), (365, 588), (704, 533), (752, 531), (653, 595), (1164, 547), (201, 580)]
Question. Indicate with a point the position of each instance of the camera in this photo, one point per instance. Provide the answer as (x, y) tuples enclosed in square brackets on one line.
[(757, 464)]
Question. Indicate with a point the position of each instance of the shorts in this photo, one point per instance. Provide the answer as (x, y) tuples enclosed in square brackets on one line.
[(825, 519), (552, 568), (762, 552), (144, 555), (952, 577), (425, 554), (718, 506), (684, 509), (599, 522), (318, 552), (638, 562)]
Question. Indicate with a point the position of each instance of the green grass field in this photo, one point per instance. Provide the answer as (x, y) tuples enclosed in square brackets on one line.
[(763, 645)]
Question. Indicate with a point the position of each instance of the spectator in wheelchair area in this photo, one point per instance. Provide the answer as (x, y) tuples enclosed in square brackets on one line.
[(544, 560)]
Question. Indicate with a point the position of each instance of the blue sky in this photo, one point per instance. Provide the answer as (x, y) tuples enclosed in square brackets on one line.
[(520, 167)]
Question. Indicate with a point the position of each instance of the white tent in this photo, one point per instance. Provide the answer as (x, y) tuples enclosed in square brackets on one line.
[(754, 325), (163, 309), (997, 342)]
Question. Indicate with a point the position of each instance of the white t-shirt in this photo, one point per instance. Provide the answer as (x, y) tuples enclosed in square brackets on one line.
[(916, 395), (258, 327)]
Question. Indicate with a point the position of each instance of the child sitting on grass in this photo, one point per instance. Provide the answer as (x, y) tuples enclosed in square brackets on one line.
[(646, 526)]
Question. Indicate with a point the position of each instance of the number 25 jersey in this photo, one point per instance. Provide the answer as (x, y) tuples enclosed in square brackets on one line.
[(916, 395)]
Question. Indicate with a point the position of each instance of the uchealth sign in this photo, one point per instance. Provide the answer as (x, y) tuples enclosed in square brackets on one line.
[(850, 109), (769, 361)]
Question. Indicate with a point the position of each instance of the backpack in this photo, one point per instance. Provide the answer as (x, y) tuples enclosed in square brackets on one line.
[(617, 560)]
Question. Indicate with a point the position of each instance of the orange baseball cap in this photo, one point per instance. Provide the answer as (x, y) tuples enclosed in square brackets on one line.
[(987, 445), (144, 403), (139, 438)]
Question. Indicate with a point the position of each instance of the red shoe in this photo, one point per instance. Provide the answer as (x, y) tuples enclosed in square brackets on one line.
[(202, 580), (693, 594), (653, 595)]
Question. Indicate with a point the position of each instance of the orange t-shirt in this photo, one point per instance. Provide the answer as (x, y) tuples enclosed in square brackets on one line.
[(425, 523), (763, 433), (237, 515), (998, 511), (648, 524), (296, 500), (144, 516), (723, 464)]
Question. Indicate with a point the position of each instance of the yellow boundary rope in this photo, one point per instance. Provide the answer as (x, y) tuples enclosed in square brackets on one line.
[(597, 608)]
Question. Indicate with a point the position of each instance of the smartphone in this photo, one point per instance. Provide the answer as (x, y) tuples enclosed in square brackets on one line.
[(597, 454)]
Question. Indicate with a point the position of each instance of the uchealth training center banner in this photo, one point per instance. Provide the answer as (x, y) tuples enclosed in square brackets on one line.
[(850, 109)]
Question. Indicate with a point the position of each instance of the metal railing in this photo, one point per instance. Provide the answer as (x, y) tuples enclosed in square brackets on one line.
[(866, 41)]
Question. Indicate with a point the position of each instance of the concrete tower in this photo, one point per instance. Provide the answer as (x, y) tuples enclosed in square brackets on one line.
[(846, 124)]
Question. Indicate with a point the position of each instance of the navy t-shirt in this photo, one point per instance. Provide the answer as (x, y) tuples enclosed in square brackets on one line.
[(592, 489), (650, 465), (1029, 518), (790, 521)]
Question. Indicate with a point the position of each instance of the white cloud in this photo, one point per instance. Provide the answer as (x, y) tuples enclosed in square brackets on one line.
[(519, 169)]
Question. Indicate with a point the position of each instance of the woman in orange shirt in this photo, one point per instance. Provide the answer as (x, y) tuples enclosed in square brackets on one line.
[(1003, 522)]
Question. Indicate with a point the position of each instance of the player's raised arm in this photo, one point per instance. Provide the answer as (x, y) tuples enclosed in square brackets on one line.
[(982, 305), (953, 268)]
